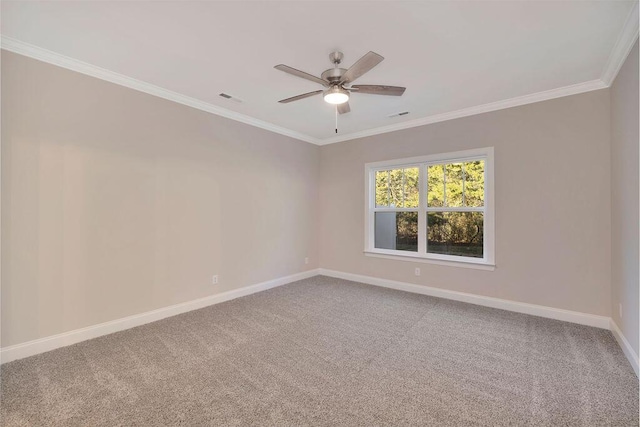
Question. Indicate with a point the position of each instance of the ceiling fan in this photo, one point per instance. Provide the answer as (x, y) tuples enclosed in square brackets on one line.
[(337, 81)]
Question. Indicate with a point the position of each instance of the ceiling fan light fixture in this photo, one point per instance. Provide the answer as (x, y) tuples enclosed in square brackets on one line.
[(336, 95)]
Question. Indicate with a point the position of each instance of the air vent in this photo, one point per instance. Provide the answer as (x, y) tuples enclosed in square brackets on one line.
[(403, 113), (232, 98)]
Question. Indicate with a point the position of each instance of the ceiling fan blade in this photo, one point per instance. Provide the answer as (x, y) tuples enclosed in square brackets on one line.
[(301, 74), (363, 65), (379, 89), (344, 108), (297, 97)]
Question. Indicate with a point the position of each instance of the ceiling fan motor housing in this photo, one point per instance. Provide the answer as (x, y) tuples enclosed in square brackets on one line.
[(333, 75)]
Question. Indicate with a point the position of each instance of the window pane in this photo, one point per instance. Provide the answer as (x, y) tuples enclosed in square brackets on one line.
[(396, 230), (474, 183), (411, 188), (435, 183), (382, 188), (396, 185), (453, 187), (455, 233)]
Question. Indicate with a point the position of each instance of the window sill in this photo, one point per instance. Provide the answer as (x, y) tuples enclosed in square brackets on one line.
[(477, 265)]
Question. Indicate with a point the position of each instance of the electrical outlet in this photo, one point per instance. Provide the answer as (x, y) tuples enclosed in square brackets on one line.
[(306, 260), (214, 279), (417, 271), (620, 309)]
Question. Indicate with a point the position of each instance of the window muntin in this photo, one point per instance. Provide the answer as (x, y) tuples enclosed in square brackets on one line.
[(435, 207)]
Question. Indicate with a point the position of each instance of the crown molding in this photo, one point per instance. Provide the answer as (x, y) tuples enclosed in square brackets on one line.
[(35, 52), (472, 111), (626, 39)]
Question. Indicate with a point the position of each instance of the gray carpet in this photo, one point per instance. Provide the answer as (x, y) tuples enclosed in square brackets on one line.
[(324, 351)]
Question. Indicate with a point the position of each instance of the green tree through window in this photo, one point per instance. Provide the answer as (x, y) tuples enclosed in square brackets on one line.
[(397, 227), (452, 208), (460, 231)]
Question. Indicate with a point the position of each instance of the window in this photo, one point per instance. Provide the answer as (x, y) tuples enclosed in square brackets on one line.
[(435, 208)]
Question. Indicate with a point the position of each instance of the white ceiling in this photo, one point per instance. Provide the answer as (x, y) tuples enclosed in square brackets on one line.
[(449, 55)]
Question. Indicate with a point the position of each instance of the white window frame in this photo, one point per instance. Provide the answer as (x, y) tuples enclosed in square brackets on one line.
[(422, 162)]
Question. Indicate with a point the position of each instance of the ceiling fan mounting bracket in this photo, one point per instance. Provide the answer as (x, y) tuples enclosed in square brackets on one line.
[(336, 57)]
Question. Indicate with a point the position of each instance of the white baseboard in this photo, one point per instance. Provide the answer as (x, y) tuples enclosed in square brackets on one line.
[(626, 347), (518, 307), (42, 345)]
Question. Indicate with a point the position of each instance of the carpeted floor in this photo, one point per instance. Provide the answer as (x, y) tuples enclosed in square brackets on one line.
[(324, 351)]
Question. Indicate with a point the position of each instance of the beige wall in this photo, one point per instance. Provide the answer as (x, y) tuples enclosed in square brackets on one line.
[(625, 279), (115, 202), (552, 183)]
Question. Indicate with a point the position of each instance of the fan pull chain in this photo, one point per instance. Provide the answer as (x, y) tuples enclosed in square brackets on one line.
[(336, 119)]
